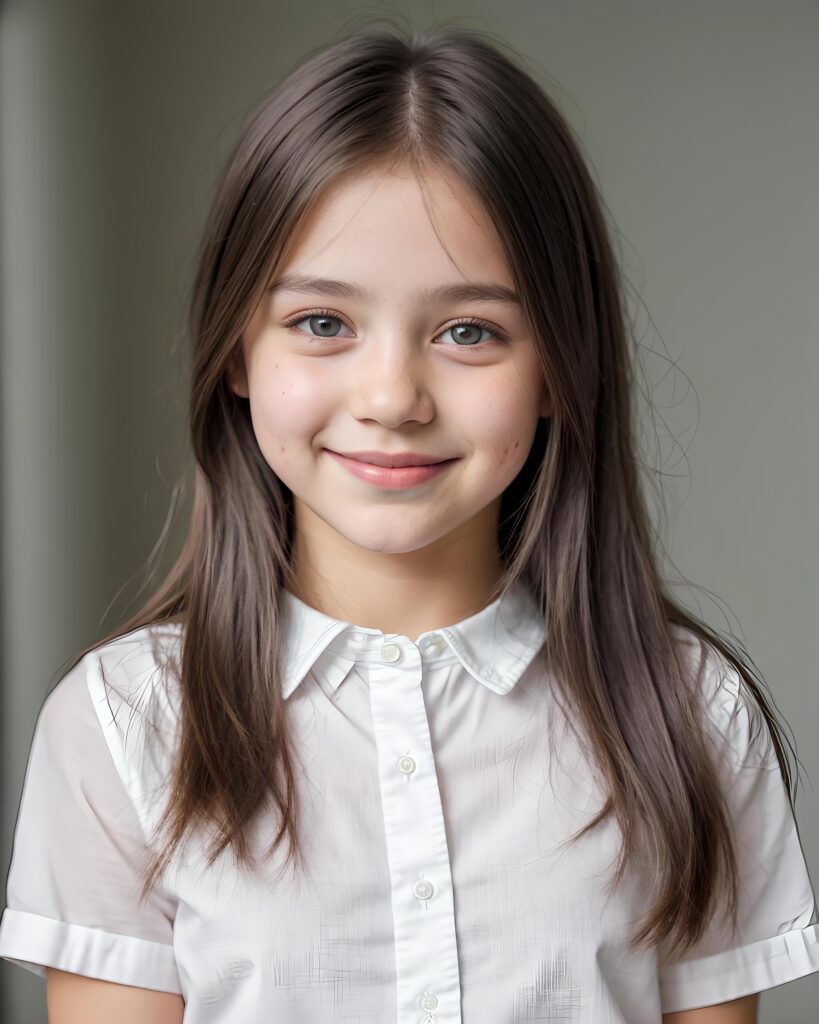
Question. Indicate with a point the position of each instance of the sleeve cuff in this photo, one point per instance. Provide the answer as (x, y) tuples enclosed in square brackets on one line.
[(35, 942), (739, 972)]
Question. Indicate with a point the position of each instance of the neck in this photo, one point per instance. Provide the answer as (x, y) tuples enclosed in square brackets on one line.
[(406, 593)]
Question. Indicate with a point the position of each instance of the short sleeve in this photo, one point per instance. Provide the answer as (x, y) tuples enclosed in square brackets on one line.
[(777, 937), (78, 858)]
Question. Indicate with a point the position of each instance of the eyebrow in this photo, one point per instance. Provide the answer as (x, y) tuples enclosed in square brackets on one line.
[(467, 291)]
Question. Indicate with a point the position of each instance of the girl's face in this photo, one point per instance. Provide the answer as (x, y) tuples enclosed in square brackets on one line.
[(369, 363)]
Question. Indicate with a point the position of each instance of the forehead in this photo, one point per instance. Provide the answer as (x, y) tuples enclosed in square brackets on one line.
[(374, 228)]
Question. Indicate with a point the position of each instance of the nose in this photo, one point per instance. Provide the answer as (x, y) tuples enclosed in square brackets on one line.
[(391, 383)]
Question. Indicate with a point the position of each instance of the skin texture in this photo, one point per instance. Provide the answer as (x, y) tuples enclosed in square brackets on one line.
[(394, 378), (737, 1011), (75, 999)]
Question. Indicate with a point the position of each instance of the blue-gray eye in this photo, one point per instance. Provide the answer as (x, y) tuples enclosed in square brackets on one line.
[(321, 322), (466, 326)]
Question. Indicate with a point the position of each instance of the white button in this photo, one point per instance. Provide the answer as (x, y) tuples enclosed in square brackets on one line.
[(406, 765), (428, 1001), (390, 652), (423, 889)]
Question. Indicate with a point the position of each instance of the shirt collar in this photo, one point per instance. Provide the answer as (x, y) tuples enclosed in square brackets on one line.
[(495, 645)]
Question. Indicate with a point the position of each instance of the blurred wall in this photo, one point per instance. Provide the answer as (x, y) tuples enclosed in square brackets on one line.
[(700, 125)]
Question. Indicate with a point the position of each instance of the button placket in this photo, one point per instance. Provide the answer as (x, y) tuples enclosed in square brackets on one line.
[(420, 873)]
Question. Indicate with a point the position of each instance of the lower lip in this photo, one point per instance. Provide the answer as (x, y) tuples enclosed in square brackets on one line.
[(391, 476)]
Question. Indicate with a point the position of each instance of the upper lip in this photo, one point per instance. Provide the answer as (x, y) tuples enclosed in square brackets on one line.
[(399, 459)]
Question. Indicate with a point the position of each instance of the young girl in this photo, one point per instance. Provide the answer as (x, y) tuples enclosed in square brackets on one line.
[(413, 730)]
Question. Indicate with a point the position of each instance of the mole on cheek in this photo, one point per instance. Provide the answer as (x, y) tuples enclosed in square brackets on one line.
[(509, 448)]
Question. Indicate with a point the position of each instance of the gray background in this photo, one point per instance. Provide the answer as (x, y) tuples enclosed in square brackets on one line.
[(699, 120)]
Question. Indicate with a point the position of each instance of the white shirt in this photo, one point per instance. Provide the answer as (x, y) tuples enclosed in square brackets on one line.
[(433, 802)]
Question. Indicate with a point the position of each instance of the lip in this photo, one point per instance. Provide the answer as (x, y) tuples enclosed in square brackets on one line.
[(392, 460), (391, 477)]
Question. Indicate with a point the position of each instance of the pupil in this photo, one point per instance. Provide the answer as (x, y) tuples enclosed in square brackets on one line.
[(467, 327), (324, 321)]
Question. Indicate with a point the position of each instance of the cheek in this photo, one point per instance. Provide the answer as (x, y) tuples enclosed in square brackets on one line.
[(505, 428), (288, 403)]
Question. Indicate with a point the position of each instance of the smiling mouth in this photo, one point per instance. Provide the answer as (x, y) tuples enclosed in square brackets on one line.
[(391, 477), (386, 461)]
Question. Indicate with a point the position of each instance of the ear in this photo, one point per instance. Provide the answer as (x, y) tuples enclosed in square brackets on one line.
[(236, 374)]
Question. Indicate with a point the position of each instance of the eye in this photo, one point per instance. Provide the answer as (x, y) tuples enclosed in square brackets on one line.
[(323, 318), (473, 324)]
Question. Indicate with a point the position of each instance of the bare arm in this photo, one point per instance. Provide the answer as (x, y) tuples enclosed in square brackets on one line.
[(76, 999), (737, 1011)]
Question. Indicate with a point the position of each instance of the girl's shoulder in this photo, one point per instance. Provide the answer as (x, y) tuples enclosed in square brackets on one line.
[(138, 670), (124, 692), (733, 715)]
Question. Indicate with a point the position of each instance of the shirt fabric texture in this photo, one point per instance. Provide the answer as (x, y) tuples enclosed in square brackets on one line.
[(438, 783)]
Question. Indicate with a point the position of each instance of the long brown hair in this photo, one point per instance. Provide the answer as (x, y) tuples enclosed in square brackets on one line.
[(574, 523)]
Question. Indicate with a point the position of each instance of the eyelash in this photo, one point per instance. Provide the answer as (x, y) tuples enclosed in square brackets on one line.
[(473, 321)]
